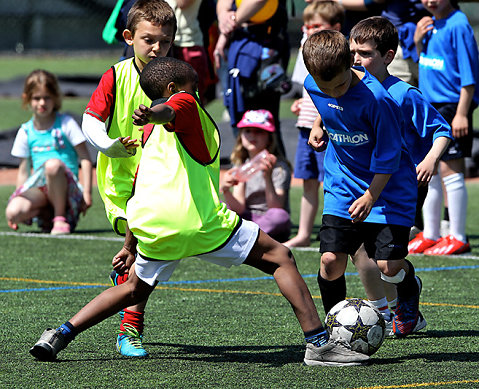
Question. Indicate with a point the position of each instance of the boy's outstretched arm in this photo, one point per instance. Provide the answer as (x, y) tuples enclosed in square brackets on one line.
[(360, 209), (158, 114), (95, 132)]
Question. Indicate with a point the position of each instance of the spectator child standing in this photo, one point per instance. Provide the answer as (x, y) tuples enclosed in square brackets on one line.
[(370, 186), (150, 30), (50, 144), (373, 42), (179, 173), (264, 197), (308, 166), (448, 78)]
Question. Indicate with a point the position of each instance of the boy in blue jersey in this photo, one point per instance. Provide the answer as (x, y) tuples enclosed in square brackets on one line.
[(175, 212), (373, 42), (370, 186), (448, 78)]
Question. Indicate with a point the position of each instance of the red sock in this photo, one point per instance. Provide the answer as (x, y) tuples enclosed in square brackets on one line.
[(133, 318)]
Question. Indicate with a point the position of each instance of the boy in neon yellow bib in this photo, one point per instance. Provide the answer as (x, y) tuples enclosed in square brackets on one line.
[(175, 212), (150, 30)]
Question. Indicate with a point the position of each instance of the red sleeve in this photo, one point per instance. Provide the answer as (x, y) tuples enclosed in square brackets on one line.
[(103, 98), (187, 126)]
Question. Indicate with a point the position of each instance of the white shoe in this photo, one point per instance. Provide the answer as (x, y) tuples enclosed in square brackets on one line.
[(49, 345), (336, 352)]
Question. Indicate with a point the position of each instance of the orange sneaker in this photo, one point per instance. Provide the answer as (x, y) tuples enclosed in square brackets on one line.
[(420, 243), (447, 246)]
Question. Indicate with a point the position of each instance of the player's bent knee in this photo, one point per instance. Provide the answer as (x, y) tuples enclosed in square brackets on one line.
[(54, 166)]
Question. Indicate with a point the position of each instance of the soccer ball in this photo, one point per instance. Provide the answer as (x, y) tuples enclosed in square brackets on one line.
[(359, 323)]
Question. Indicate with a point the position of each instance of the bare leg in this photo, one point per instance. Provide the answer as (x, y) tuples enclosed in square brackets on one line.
[(111, 301), (309, 208), (273, 258), (25, 206), (369, 274), (57, 186)]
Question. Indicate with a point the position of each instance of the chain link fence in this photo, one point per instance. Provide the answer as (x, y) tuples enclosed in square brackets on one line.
[(53, 24)]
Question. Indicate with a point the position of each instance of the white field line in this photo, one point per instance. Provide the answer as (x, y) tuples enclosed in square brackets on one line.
[(120, 239)]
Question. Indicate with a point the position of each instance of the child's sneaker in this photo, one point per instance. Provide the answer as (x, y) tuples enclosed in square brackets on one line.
[(406, 315), (336, 352), (420, 243), (448, 246), (421, 323), (129, 342), (49, 345)]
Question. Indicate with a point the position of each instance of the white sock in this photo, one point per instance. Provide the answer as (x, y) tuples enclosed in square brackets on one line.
[(457, 203), (432, 209), (393, 305), (382, 307)]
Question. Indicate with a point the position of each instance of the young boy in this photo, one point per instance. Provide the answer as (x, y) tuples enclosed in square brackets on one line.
[(370, 186), (373, 42), (175, 212), (448, 77), (317, 16), (150, 30)]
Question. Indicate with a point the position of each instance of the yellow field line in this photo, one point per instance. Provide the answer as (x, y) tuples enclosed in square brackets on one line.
[(417, 385), (204, 290)]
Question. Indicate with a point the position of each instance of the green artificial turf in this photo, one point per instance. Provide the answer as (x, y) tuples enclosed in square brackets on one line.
[(212, 327)]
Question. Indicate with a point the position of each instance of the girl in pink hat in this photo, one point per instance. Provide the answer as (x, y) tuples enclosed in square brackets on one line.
[(260, 192)]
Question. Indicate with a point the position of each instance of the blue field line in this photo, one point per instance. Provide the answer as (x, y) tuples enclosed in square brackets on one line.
[(192, 282), (52, 288)]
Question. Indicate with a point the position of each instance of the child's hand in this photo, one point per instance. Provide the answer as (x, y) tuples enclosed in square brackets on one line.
[(360, 209), (267, 164), (142, 115), (228, 180), (459, 126), (129, 144), (423, 26), (123, 260), (296, 106), (316, 140), (425, 170)]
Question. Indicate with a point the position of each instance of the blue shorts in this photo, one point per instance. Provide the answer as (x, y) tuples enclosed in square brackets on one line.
[(308, 164), (459, 147)]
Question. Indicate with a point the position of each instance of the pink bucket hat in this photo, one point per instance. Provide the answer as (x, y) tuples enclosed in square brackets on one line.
[(260, 118)]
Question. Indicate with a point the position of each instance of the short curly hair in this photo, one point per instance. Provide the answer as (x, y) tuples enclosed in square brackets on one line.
[(159, 72)]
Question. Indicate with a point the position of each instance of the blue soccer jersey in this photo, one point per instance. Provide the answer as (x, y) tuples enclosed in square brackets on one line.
[(449, 60), (422, 123), (364, 129)]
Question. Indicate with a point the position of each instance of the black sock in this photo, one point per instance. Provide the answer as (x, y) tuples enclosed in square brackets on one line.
[(332, 292), (408, 287)]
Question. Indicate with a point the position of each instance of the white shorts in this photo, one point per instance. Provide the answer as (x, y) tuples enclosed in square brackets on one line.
[(234, 252)]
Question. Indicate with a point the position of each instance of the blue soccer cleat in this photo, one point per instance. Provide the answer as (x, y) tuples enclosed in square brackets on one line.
[(129, 342)]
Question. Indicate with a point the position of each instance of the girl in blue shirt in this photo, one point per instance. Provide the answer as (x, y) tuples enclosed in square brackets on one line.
[(49, 146)]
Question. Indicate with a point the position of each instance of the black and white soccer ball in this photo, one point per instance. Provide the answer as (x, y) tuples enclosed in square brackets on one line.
[(359, 323)]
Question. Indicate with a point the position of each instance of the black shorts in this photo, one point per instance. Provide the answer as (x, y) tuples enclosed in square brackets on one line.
[(459, 147), (382, 241)]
